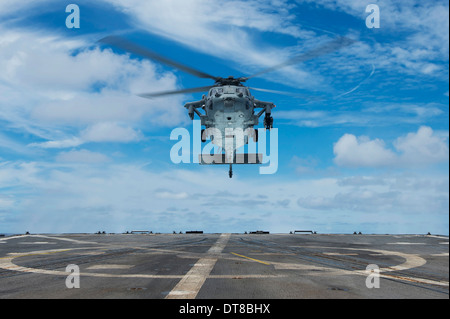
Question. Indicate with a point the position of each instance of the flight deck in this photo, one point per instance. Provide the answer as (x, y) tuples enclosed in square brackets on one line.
[(225, 266)]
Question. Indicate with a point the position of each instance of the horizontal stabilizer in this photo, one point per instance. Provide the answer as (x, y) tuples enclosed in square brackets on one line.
[(206, 159)]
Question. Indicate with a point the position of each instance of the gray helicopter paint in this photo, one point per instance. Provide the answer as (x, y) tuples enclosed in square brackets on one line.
[(229, 110), (229, 117)]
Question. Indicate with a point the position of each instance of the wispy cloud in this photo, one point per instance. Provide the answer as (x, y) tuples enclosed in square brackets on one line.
[(231, 31), (62, 196), (420, 29), (82, 156), (367, 113), (68, 93), (99, 132)]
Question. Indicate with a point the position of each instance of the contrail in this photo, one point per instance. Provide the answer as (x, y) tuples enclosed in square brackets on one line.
[(356, 87)]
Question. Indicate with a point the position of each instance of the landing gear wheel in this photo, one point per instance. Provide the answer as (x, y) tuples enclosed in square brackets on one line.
[(230, 173)]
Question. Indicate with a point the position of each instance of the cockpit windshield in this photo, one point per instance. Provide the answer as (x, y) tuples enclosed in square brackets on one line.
[(215, 91), (242, 90), (229, 90)]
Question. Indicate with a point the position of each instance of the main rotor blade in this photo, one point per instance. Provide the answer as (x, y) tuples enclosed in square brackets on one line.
[(329, 47), (306, 97), (273, 91), (191, 90), (144, 52)]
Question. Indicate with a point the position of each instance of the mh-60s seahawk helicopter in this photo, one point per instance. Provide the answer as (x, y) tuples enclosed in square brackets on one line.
[(229, 108)]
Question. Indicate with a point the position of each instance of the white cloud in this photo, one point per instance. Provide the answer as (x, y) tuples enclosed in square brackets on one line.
[(417, 148), (418, 41), (81, 156), (213, 24), (110, 132), (361, 200), (352, 151), (425, 146), (71, 142), (371, 114), (6, 203), (166, 194), (427, 20), (97, 133), (8, 7), (229, 31), (18, 174), (68, 197), (50, 66), (66, 92), (387, 199), (12, 145)]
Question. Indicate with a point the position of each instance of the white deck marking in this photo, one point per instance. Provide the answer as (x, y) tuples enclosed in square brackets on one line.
[(406, 243), (340, 254), (189, 286), (110, 266), (47, 237), (191, 283), (35, 243)]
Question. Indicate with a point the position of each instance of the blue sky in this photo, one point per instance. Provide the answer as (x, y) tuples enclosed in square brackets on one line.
[(363, 147)]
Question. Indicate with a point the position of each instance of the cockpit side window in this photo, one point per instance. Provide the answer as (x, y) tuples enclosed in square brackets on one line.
[(244, 91)]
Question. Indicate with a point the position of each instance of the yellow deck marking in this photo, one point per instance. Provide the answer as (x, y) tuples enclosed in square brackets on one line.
[(257, 260)]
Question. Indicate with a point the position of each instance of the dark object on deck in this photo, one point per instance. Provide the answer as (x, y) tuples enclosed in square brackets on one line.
[(304, 231)]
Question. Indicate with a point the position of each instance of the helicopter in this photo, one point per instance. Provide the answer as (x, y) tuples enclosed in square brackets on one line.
[(230, 111)]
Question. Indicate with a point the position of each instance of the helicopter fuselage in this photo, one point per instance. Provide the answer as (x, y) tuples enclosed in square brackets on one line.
[(229, 117)]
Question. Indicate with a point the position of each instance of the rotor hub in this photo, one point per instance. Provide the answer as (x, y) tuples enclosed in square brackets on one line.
[(231, 80)]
